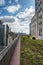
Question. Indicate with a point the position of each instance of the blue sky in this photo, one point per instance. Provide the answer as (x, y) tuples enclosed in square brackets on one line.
[(17, 14)]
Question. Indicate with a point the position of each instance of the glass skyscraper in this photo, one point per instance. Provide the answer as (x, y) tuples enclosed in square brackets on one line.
[(1, 34), (4, 31)]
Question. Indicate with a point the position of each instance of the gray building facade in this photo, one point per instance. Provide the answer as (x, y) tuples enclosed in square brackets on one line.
[(39, 11), (39, 18), (33, 26)]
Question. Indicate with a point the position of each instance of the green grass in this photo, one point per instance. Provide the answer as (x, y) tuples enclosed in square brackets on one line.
[(31, 51)]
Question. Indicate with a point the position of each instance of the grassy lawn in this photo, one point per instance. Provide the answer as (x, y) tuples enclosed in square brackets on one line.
[(31, 51)]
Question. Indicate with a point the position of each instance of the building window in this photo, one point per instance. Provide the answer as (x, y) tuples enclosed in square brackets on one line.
[(40, 2), (39, 5), (40, 23), (40, 31), (40, 17), (40, 9)]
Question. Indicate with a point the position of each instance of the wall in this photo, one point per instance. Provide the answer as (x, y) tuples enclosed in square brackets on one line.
[(6, 54)]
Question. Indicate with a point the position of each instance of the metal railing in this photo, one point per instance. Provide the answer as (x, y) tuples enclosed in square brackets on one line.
[(7, 52)]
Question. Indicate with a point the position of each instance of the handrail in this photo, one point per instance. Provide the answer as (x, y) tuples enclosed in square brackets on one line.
[(5, 50)]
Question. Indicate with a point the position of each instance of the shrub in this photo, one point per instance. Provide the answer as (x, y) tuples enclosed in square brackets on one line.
[(34, 38), (28, 36), (23, 38)]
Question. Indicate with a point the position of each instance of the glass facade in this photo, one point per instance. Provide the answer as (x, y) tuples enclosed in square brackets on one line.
[(6, 34), (1, 34), (4, 31)]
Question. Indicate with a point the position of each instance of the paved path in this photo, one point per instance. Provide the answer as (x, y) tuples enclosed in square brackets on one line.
[(16, 56)]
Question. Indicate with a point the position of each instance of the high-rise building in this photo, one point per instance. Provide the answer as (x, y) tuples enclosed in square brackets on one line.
[(39, 11), (39, 17), (30, 29), (4, 31), (33, 26), (1, 34)]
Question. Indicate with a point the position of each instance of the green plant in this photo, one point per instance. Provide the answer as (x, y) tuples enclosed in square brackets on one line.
[(23, 38), (31, 51), (34, 38)]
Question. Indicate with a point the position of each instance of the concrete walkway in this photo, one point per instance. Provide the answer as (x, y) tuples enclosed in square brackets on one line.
[(16, 56)]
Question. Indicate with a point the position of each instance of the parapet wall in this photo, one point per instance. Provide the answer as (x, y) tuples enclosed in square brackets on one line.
[(6, 54)]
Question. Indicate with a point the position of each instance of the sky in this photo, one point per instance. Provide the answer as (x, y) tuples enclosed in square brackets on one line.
[(17, 14)]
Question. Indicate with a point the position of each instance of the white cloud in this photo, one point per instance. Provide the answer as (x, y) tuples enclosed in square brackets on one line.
[(29, 12), (2, 2), (13, 8), (9, 19), (15, 25), (25, 18), (20, 24)]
